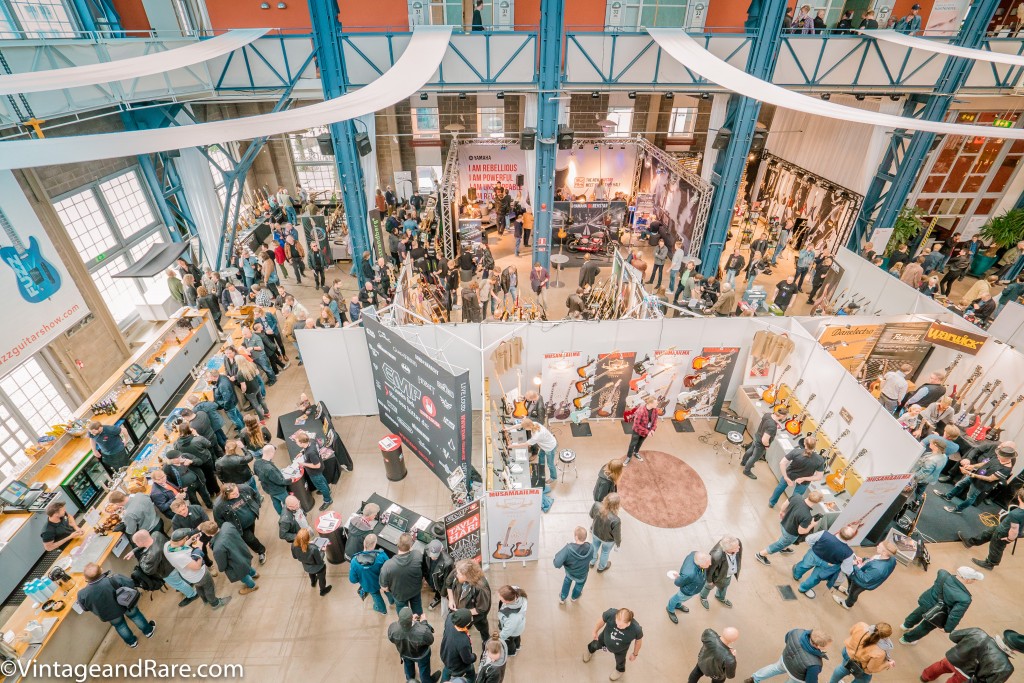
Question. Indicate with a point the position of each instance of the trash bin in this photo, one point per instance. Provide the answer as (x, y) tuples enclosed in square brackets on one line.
[(394, 462), (330, 526), (297, 487)]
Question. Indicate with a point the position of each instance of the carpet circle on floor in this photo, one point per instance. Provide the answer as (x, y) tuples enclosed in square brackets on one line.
[(662, 491)]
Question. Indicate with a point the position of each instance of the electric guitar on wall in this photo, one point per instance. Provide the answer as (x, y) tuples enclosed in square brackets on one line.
[(978, 430), (837, 480), (817, 429), (795, 424), (833, 452), (967, 416), (995, 430), (38, 280), (959, 392), (770, 394)]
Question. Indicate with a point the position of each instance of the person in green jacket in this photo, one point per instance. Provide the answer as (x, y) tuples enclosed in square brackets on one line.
[(948, 592), (176, 288)]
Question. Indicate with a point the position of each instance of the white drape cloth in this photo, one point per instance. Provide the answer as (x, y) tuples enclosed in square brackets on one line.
[(690, 54), (130, 67), (945, 48), (199, 184), (413, 69)]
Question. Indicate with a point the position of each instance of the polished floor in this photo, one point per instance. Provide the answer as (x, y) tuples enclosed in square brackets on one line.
[(285, 631)]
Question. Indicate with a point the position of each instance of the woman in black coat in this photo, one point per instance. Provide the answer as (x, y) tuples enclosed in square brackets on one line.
[(199, 451), (209, 301), (608, 479), (312, 560)]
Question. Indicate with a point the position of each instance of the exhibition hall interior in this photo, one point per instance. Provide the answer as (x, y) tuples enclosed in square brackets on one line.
[(511, 340)]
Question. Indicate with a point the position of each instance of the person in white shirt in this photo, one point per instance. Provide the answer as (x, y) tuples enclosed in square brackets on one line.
[(677, 264), (185, 554), (545, 441), (894, 387)]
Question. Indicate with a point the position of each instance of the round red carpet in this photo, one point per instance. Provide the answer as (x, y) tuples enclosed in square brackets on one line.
[(662, 491)]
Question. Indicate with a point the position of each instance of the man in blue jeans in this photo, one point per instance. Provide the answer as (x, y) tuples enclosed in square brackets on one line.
[(798, 520), (413, 636), (575, 559), (980, 478), (225, 398), (799, 468), (314, 466), (827, 555), (690, 580), (99, 596), (543, 439)]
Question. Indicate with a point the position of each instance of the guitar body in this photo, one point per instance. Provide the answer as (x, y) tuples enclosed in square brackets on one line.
[(795, 425), (980, 432), (522, 550), (836, 481), (582, 385), (582, 370), (581, 401), (769, 395), (580, 415), (701, 361), (680, 414), (563, 411), (691, 381), (37, 279), (501, 552), (520, 408)]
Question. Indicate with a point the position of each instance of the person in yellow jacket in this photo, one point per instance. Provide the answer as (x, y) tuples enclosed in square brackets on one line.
[(865, 653)]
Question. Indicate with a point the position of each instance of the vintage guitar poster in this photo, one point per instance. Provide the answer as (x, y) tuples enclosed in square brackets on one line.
[(870, 503), (611, 384), (513, 525), (851, 345), (707, 381), (660, 375), (564, 377)]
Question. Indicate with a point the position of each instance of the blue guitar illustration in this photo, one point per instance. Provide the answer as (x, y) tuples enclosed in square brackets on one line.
[(38, 280)]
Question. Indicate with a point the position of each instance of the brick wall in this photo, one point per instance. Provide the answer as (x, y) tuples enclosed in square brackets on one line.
[(451, 109), (585, 111), (403, 124), (514, 114), (641, 108)]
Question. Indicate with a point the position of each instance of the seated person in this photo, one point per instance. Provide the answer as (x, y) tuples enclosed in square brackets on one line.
[(982, 308), (980, 477)]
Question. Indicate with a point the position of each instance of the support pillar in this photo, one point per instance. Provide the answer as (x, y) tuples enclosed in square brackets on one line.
[(331, 60), (762, 25), (156, 187), (552, 25), (895, 177)]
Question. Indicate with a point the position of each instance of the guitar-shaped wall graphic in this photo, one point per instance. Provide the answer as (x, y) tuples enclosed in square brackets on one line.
[(37, 278)]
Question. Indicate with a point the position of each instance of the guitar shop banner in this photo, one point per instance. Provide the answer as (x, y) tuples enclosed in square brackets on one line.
[(600, 174), (42, 300), (462, 532), (513, 525), (706, 382), (426, 405), (674, 202), (851, 345), (564, 378), (611, 384), (481, 166), (899, 343), (955, 338), (661, 377), (870, 502)]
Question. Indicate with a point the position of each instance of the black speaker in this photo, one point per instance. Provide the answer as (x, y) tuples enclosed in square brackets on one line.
[(565, 136), (326, 144), (758, 140), (520, 180), (722, 138), (528, 138), (363, 144), (173, 153), (730, 424)]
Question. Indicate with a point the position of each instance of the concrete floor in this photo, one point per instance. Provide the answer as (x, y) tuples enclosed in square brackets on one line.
[(285, 631)]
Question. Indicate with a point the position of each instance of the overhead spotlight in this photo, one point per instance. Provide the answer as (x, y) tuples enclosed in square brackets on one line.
[(826, 96), (594, 95), (537, 380), (632, 94), (860, 98), (705, 96), (264, 5), (501, 94), (424, 96), (670, 95), (281, 5), (462, 95), (894, 98)]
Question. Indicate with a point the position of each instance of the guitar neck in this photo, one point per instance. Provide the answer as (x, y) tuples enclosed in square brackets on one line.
[(12, 235)]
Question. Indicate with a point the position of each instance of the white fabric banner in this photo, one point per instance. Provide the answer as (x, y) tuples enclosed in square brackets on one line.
[(945, 48), (203, 201), (47, 301), (413, 69), (131, 67), (690, 54)]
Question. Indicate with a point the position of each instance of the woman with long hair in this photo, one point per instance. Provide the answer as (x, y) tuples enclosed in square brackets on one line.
[(468, 589), (607, 530), (865, 652), (255, 436), (608, 479), (493, 660), (312, 560), (248, 380), (268, 271), (188, 283)]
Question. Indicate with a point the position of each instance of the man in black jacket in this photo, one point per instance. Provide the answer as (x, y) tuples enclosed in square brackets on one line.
[(402, 575), (197, 451), (726, 561), (413, 636), (941, 606), (437, 565), (999, 536), (238, 504), (717, 658), (149, 549), (271, 479), (456, 646), (201, 425), (99, 596), (293, 519), (234, 468), (977, 655)]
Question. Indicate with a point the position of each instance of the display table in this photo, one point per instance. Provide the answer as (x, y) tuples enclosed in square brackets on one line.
[(321, 429), (558, 262), (415, 521)]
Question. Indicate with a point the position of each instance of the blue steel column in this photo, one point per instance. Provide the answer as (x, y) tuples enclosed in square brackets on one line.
[(882, 206), (763, 25), (134, 122), (552, 21), (330, 58)]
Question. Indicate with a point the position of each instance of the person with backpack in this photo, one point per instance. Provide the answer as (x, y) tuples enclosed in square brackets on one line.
[(511, 617), (114, 599), (149, 550), (575, 559)]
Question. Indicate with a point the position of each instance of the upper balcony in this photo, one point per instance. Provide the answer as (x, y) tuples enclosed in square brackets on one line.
[(594, 59)]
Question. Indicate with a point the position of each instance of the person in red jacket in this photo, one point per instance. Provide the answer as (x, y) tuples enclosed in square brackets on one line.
[(644, 421)]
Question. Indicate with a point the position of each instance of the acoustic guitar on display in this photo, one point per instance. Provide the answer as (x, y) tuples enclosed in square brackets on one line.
[(795, 424), (37, 279), (994, 431), (837, 480)]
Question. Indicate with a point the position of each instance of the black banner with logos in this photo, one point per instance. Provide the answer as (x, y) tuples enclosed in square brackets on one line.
[(425, 404)]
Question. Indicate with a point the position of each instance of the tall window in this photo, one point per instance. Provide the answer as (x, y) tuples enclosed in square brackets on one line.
[(622, 117), (682, 122), (112, 223), (425, 124), (31, 401), (490, 121), (316, 171), (219, 164), (38, 19), (633, 15)]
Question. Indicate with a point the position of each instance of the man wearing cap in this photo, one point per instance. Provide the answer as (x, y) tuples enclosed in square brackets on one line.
[(766, 431), (413, 636), (456, 646), (185, 553), (980, 478), (911, 23), (977, 656), (943, 605), (437, 565), (999, 536), (149, 550)]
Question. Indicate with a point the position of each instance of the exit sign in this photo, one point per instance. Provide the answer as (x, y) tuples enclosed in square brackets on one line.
[(1003, 123)]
